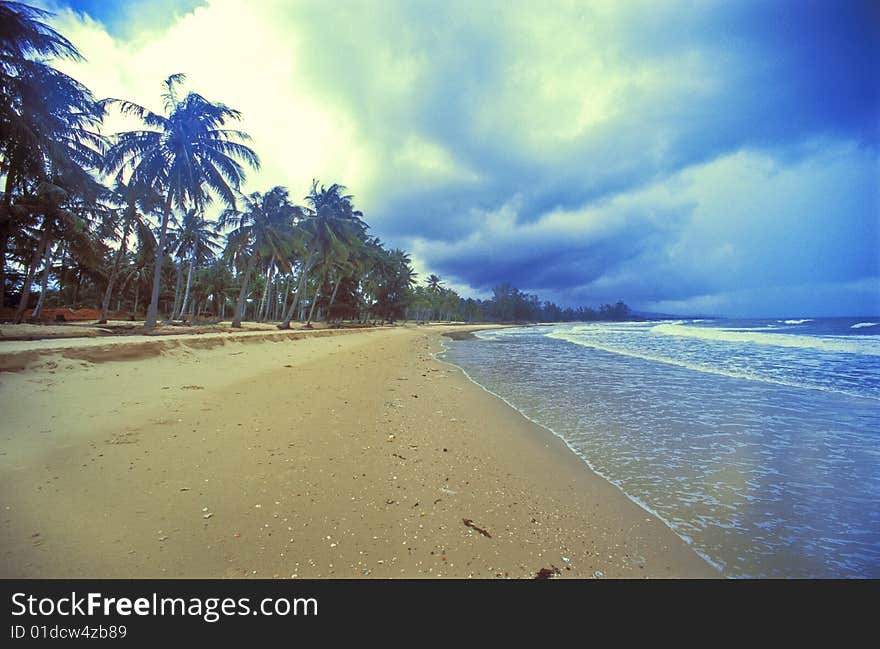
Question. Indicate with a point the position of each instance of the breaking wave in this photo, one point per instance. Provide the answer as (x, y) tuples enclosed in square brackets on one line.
[(838, 344)]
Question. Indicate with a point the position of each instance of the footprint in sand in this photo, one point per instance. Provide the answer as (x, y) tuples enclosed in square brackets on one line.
[(128, 437)]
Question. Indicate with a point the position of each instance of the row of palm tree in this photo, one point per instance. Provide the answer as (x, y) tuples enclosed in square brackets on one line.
[(126, 215), (435, 302)]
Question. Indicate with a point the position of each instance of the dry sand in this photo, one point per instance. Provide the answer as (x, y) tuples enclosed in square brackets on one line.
[(332, 454)]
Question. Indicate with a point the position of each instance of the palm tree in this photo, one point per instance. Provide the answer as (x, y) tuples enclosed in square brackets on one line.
[(24, 35), (397, 280), (387, 285), (186, 155), (330, 228), (61, 206), (217, 282), (80, 226), (196, 240), (134, 201), (138, 272), (48, 120), (263, 230), (434, 284)]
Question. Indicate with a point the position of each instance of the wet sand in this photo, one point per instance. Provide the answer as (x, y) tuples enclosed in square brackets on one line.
[(335, 454)]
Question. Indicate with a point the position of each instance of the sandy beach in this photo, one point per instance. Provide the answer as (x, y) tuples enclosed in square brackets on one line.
[(333, 454)]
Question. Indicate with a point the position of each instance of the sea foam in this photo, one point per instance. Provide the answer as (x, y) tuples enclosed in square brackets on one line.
[(837, 344), (697, 367)]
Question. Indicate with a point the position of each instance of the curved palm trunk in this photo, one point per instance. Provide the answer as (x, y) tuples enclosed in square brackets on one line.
[(29, 276), (105, 304), (239, 307), (315, 300), (121, 292), (285, 324), (312, 310), (153, 309), (44, 283), (333, 296), (189, 279)]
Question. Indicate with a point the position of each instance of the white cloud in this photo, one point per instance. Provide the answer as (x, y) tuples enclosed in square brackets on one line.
[(590, 152), (246, 59)]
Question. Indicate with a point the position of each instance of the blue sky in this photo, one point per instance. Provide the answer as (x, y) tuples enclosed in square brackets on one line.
[(711, 157)]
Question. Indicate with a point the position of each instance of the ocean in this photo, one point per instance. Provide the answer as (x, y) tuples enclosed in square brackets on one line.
[(756, 441)]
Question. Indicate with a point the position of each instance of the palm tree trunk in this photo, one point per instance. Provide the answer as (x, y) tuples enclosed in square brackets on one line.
[(44, 284), (315, 300), (333, 296), (76, 286), (312, 309), (177, 284), (239, 307), (299, 288), (6, 229), (272, 299), (286, 295), (282, 299), (4, 243), (29, 276), (266, 287), (153, 310), (189, 279), (105, 305), (62, 276), (264, 307)]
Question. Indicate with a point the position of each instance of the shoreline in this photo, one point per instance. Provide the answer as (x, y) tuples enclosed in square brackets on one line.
[(364, 438), (572, 450)]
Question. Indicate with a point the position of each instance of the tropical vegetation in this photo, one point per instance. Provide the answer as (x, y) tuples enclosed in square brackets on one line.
[(123, 222)]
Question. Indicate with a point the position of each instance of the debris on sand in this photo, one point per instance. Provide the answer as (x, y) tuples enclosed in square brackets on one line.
[(469, 523), (547, 573)]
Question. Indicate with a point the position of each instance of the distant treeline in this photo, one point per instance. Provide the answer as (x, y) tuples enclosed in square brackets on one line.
[(432, 301)]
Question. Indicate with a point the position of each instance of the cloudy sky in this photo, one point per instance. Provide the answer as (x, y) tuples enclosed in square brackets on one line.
[(687, 157)]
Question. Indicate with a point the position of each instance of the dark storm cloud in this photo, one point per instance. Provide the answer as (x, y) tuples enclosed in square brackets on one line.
[(679, 155)]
